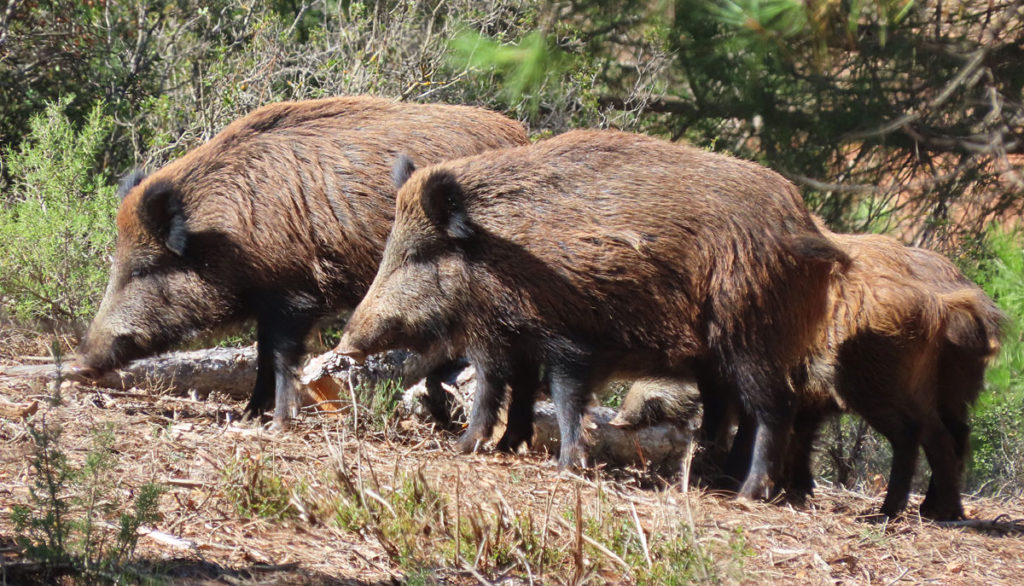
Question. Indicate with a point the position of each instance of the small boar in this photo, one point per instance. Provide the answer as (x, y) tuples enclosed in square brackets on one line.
[(906, 347), (603, 253), (651, 401), (281, 218)]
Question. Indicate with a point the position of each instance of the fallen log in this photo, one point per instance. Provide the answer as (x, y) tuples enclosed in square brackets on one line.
[(226, 370), (659, 447), (331, 382)]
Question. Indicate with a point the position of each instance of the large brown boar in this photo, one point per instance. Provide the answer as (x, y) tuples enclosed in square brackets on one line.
[(906, 346), (281, 217), (598, 253)]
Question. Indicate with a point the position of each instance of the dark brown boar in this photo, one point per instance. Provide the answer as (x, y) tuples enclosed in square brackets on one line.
[(598, 253), (906, 346), (281, 217)]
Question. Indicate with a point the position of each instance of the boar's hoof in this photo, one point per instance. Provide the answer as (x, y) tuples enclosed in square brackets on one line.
[(251, 412), (797, 498), (510, 441), (470, 441), (941, 511), (758, 489), (571, 458), (279, 424)]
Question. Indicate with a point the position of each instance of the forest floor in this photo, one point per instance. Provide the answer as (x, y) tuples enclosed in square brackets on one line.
[(382, 500)]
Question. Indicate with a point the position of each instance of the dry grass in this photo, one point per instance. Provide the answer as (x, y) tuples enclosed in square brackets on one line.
[(322, 503)]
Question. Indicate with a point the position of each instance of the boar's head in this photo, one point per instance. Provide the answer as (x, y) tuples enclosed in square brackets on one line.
[(417, 299), (167, 280)]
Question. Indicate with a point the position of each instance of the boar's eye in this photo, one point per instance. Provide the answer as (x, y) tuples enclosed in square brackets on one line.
[(142, 270)]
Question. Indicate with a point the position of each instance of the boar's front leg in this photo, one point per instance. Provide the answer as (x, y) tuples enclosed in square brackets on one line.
[(525, 384), (497, 369), (570, 392), (492, 374), (490, 393), (280, 344)]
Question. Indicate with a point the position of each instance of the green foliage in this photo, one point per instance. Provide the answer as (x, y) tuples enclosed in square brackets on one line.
[(403, 515), (252, 484), (382, 401), (66, 525), (997, 439), (677, 559), (56, 220), (524, 68)]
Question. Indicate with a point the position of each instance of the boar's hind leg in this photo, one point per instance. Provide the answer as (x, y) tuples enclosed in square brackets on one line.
[(942, 502), (799, 479), (772, 405), (740, 455), (280, 343), (904, 459)]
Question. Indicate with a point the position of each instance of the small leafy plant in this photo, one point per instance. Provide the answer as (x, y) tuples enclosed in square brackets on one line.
[(66, 525), (254, 487)]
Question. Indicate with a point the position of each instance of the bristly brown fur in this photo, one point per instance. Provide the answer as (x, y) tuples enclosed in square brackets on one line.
[(281, 217), (906, 346), (597, 252)]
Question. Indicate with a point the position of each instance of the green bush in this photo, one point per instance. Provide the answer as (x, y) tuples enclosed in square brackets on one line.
[(56, 221), (998, 438)]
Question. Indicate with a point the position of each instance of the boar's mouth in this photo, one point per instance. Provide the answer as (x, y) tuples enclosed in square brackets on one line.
[(354, 353), (95, 362), (389, 335), (621, 422)]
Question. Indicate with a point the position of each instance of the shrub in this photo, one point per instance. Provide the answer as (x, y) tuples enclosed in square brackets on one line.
[(56, 221), (998, 440), (66, 527), (255, 488)]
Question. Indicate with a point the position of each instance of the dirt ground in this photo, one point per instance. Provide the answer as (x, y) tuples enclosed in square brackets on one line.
[(197, 450)]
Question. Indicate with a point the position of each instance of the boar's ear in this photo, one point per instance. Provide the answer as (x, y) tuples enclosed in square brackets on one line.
[(163, 214), (445, 205), (129, 182), (401, 170)]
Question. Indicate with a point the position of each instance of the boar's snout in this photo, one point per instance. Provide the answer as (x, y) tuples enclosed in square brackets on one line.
[(369, 332), (622, 422), (100, 352), (346, 348), (86, 372)]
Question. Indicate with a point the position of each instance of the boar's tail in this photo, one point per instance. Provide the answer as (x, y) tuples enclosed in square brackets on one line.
[(816, 249), (973, 317)]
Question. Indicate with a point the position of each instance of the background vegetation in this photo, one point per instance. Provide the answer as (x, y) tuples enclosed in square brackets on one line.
[(892, 115)]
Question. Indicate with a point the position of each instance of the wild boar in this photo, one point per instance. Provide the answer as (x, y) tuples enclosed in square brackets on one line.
[(281, 218), (651, 401), (906, 347), (601, 253)]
